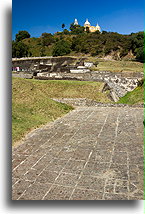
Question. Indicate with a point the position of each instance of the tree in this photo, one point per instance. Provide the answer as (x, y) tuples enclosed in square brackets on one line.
[(140, 54), (72, 26), (104, 32), (22, 35), (76, 29), (97, 32), (96, 50), (79, 30), (137, 40), (61, 48), (63, 26), (42, 51), (66, 32), (19, 49), (47, 39), (137, 45)]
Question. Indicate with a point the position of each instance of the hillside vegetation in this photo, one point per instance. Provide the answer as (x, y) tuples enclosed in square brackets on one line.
[(78, 42), (32, 105)]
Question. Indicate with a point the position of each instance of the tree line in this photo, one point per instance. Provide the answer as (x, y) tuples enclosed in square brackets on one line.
[(78, 41)]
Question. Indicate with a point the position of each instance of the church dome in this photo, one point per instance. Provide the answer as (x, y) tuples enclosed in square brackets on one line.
[(87, 22), (98, 27)]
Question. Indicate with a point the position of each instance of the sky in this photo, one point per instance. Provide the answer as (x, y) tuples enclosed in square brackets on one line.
[(39, 16)]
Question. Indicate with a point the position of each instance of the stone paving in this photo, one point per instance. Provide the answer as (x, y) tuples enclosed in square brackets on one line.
[(92, 153)]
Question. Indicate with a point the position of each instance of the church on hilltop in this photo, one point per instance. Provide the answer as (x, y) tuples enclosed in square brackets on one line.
[(87, 25)]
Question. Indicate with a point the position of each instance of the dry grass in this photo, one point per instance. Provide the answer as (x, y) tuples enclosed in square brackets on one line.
[(117, 66), (71, 89)]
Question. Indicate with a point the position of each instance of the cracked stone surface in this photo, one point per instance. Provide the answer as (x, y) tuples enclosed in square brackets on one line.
[(92, 153)]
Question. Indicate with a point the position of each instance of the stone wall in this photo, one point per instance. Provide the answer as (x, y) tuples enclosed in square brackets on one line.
[(47, 64), (73, 68)]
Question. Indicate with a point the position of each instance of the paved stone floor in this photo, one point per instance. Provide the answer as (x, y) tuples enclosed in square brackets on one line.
[(92, 153)]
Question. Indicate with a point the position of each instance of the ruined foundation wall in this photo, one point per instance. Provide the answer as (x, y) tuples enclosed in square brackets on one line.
[(72, 68)]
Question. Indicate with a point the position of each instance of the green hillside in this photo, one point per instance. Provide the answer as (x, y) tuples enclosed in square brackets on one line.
[(78, 42), (134, 97)]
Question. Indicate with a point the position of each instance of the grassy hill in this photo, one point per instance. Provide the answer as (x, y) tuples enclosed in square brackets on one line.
[(134, 97), (32, 105)]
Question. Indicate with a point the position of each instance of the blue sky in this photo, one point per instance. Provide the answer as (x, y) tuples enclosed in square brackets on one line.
[(37, 17)]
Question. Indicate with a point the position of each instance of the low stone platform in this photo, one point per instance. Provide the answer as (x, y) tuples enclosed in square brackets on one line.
[(92, 153)]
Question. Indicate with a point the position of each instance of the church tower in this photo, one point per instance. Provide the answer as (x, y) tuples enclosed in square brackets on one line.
[(76, 22), (87, 23)]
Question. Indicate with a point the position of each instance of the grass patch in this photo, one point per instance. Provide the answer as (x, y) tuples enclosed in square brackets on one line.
[(117, 66), (72, 89), (120, 66), (32, 105), (31, 108), (134, 97)]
